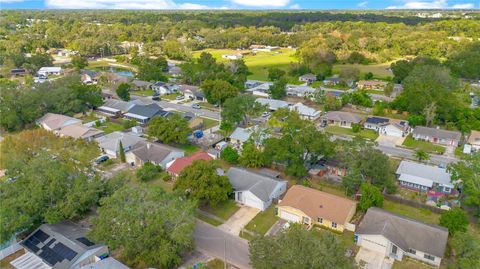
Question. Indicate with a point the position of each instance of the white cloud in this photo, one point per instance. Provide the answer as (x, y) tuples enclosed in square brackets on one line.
[(121, 4), (362, 4), (295, 6), (262, 3), (433, 4)]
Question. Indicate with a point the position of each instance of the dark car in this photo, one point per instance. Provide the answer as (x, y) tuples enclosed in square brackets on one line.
[(101, 159), (156, 98)]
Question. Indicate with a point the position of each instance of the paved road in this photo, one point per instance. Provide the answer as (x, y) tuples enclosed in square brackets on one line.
[(409, 154), (214, 242)]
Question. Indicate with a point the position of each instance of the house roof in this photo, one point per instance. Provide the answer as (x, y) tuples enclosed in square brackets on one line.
[(241, 134), (372, 83), (108, 263), (342, 116), (300, 89), (332, 79), (404, 232), (273, 104), (474, 138), (57, 121), (317, 204), (305, 110), (309, 76), (49, 69), (179, 164), (79, 131), (193, 89), (153, 152), (147, 111), (438, 133), (57, 245), (121, 105), (112, 141), (141, 83), (90, 73), (423, 174), (245, 180), (376, 120)]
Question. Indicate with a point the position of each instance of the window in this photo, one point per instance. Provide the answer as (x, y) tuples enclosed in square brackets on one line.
[(334, 224), (412, 251), (320, 220), (429, 257)]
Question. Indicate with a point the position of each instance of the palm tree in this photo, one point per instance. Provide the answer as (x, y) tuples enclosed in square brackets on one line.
[(422, 155)]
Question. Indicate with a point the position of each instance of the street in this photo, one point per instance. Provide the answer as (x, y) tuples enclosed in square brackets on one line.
[(215, 242), (409, 154)]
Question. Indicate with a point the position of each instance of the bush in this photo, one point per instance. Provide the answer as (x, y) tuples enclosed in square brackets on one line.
[(229, 155), (129, 124), (454, 220), (148, 171), (356, 127)]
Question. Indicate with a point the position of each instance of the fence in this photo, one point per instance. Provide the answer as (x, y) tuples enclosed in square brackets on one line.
[(413, 203), (9, 250), (92, 123)]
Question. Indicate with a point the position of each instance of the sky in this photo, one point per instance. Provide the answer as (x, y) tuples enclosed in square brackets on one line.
[(239, 4)]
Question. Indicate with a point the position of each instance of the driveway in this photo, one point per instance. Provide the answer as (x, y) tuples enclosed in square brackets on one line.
[(276, 228), (241, 218), (390, 140), (367, 259)]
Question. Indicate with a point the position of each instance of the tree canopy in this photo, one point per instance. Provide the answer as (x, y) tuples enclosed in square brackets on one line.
[(468, 171), (241, 108), (171, 129), (217, 91)]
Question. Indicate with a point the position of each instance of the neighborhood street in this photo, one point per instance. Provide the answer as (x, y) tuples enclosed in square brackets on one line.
[(409, 154), (215, 242)]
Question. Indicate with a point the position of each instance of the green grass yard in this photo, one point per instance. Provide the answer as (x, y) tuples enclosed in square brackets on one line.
[(263, 221), (110, 127), (421, 214), (171, 97), (379, 70), (423, 145), (143, 92), (408, 263), (209, 123), (223, 210), (365, 133), (209, 220)]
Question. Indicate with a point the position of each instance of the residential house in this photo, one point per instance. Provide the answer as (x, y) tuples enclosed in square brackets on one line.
[(261, 90), (273, 104), (331, 81), (256, 48), (386, 126), (474, 140), (194, 122), (192, 92), (254, 189), (163, 88), (114, 107), (54, 122), (143, 113), (371, 85), (176, 167), (332, 92), (79, 131), (89, 76), (252, 83), (424, 177), (159, 154), (340, 118), (375, 123), (50, 70), (62, 246), (328, 168), (395, 236), (313, 207), (300, 91), (141, 85), (110, 143), (236, 56), (242, 135), (437, 136), (308, 78), (306, 112)]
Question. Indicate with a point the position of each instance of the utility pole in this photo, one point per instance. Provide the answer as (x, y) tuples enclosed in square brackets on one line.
[(225, 253)]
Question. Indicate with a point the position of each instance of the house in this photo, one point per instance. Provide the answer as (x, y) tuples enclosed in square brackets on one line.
[(386, 126), (163, 88), (437, 136), (371, 85), (423, 177), (141, 85), (252, 83), (143, 152), (79, 131), (474, 140), (89, 76), (176, 167), (396, 236), (50, 70), (242, 135), (253, 189), (273, 104), (306, 112), (110, 143), (192, 92), (313, 207), (115, 107), (300, 91), (331, 92), (375, 123), (54, 122), (261, 90), (331, 81), (256, 48), (328, 168), (308, 78), (236, 56), (62, 246), (340, 118), (143, 113), (194, 122)]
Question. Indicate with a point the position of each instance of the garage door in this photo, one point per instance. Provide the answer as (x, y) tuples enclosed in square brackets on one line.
[(290, 217), (374, 245), (254, 203)]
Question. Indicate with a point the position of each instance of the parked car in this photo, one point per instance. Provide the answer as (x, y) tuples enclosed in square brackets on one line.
[(196, 106), (265, 114), (156, 98), (101, 159), (180, 97)]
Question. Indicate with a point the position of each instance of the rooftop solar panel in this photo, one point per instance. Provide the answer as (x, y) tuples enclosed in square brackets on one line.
[(41, 236), (30, 245), (49, 256), (85, 241), (50, 242), (64, 251)]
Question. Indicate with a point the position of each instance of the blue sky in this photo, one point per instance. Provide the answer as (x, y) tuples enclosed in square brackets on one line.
[(240, 4)]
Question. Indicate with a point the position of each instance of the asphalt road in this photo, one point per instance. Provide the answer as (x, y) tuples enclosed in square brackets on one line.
[(215, 242), (409, 154)]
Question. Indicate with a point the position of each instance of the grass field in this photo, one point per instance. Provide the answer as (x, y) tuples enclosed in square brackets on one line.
[(224, 210), (110, 127), (170, 96), (423, 145), (263, 221), (378, 70), (368, 134), (143, 92)]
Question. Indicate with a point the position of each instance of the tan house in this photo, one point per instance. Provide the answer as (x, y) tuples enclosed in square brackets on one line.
[(78, 131), (474, 140), (371, 85), (340, 118), (313, 207)]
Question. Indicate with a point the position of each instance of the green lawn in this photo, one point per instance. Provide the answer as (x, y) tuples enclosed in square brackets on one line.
[(224, 210), (188, 148), (170, 96), (378, 70), (211, 221), (421, 214), (209, 123), (408, 263), (158, 181), (365, 133), (144, 92), (110, 127), (263, 221), (423, 145)]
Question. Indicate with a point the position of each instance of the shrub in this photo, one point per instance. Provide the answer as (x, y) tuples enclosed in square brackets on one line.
[(148, 171), (229, 155)]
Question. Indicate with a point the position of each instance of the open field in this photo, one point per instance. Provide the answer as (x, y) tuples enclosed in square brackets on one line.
[(379, 70)]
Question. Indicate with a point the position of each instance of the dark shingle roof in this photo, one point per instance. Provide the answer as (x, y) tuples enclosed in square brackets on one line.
[(376, 120), (148, 111), (154, 152), (260, 185)]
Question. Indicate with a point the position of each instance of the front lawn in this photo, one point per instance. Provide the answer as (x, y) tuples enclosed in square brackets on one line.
[(110, 127), (423, 145), (143, 92), (208, 220), (421, 214), (158, 181), (170, 97), (363, 133), (209, 123), (223, 210), (263, 221), (188, 148)]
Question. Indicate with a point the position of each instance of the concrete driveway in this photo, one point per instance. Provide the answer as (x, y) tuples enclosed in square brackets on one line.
[(367, 259), (392, 141), (241, 218)]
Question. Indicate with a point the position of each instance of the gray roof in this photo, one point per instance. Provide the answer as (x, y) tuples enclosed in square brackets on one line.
[(108, 263), (421, 172), (245, 180), (439, 133), (309, 76), (141, 83), (404, 232), (112, 141), (241, 134), (342, 116), (121, 105), (273, 104), (147, 111), (153, 152)]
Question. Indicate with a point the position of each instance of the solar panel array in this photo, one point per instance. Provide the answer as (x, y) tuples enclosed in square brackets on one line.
[(85, 241)]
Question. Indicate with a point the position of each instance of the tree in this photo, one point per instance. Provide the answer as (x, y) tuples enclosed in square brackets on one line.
[(401, 69), (468, 171), (466, 249), (241, 108), (252, 156), (277, 90), (349, 74), (465, 62), (421, 155), (229, 155), (281, 251), (275, 74), (368, 76), (123, 91), (201, 181), (171, 129), (151, 227), (148, 171), (455, 220), (371, 196), (217, 91), (357, 58), (151, 69), (121, 152), (79, 62), (331, 102)]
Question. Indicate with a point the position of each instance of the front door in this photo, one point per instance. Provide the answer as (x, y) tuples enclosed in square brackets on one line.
[(239, 197), (394, 250)]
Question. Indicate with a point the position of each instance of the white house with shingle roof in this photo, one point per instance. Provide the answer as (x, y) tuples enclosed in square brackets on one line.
[(273, 104), (54, 122), (437, 136), (424, 177), (110, 143), (306, 112)]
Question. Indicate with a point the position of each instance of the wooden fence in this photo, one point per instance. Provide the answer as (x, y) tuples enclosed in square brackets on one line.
[(411, 203)]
